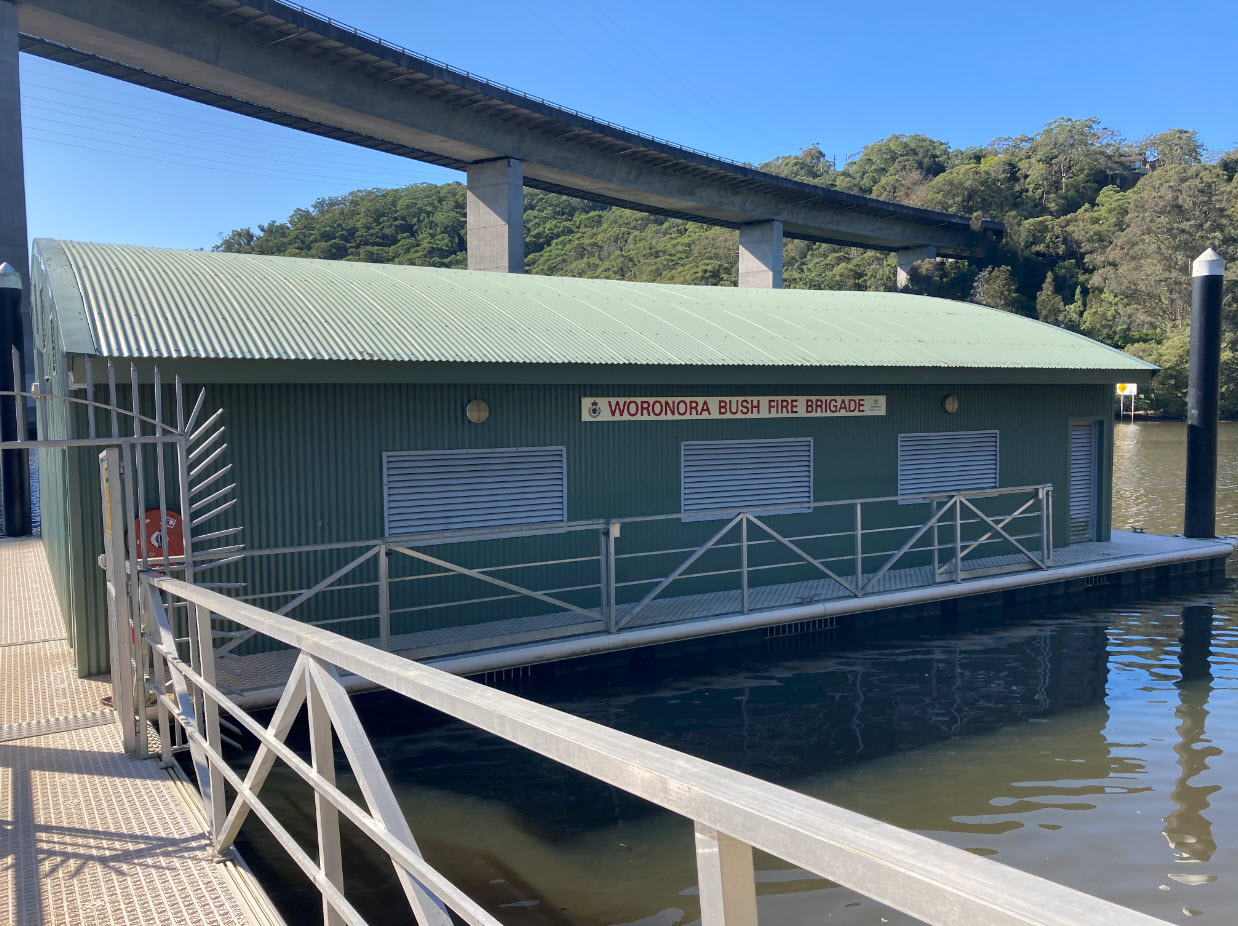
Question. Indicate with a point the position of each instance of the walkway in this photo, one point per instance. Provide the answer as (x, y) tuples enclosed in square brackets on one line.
[(258, 679), (87, 834)]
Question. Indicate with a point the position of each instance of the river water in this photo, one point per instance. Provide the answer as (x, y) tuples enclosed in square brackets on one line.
[(1093, 748)]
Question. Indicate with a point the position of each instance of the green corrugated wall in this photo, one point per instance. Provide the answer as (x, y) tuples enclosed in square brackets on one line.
[(308, 462)]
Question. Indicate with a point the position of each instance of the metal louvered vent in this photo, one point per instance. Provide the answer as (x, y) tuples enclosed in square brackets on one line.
[(1082, 482), (946, 461), (752, 475), (438, 490)]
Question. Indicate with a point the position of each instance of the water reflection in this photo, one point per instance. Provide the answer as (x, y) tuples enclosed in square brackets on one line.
[(1190, 832), (1055, 746)]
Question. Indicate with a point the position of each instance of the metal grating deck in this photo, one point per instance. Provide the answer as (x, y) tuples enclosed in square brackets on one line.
[(87, 834)]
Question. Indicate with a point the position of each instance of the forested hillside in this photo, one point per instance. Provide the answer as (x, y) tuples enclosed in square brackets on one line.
[(1100, 233)]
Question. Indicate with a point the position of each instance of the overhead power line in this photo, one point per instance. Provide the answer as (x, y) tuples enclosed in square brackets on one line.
[(60, 112), (183, 161), (55, 124)]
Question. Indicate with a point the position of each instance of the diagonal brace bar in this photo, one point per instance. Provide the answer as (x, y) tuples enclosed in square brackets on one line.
[(898, 554), (1018, 511), (800, 553), (286, 712), (1022, 549), (474, 574), (657, 590), (375, 788)]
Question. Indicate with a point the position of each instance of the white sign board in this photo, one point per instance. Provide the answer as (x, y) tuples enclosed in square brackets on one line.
[(1128, 389), (715, 407)]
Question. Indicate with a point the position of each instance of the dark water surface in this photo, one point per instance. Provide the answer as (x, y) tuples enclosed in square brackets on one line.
[(1093, 748)]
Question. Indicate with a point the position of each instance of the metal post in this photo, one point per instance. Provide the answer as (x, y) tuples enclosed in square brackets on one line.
[(322, 754), (117, 590), (1204, 394), (384, 598), (958, 539), (14, 463), (936, 542), (612, 531), (1049, 500), (165, 735), (743, 561), (182, 466), (208, 724), (725, 878), (603, 582), (859, 552), (1044, 527)]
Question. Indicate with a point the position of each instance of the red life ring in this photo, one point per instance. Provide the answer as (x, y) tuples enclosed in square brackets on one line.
[(157, 534)]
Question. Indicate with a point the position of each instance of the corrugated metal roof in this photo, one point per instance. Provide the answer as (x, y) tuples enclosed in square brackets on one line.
[(160, 303)]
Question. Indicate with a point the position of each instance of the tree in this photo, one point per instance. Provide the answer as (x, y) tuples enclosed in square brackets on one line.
[(809, 166), (1049, 305), (1174, 214), (995, 287), (1067, 164), (987, 188), (1173, 148), (919, 152)]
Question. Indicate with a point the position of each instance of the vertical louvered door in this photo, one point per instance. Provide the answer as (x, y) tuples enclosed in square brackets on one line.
[(753, 475), (438, 490), (1083, 482)]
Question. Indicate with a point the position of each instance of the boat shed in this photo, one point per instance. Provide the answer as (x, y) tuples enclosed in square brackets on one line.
[(497, 420)]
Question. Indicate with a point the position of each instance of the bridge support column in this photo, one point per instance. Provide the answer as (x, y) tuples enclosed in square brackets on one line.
[(495, 215), (909, 256), (760, 255), (13, 247)]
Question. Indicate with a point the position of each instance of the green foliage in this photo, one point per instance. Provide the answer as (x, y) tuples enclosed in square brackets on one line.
[(1173, 148), (1052, 309), (996, 288), (1094, 242)]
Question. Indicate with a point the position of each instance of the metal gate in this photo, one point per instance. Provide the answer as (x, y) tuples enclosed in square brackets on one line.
[(179, 455), (1083, 481)]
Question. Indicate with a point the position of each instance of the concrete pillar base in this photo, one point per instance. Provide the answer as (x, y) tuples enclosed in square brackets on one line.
[(760, 255), (910, 256), (495, 216)]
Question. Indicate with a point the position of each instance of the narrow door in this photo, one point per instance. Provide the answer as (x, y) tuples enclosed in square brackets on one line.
[(1083, 458)]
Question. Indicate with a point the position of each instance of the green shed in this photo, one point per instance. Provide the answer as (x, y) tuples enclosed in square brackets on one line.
[(496, 412)]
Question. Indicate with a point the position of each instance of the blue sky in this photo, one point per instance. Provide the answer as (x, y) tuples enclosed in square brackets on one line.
[(109, 162)]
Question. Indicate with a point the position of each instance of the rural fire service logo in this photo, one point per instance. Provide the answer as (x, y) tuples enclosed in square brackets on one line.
[(594, 410)]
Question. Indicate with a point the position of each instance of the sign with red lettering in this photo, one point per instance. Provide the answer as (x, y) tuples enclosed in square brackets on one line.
[(727, 407)]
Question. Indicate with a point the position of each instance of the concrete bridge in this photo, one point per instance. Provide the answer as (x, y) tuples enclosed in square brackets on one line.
[(286, 65)]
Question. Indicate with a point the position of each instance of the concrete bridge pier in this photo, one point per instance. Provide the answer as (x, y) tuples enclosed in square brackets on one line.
[(909, 256), (13, 245), (760, 255), (495, 216)]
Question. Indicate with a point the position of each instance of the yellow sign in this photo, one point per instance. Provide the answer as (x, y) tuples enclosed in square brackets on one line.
[(1128, 389)]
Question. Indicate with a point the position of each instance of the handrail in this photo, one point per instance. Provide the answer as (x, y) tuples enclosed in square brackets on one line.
[(733, 812), (469, 535), (847, 572)]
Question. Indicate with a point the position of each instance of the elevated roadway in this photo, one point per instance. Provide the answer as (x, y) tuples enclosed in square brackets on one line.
[(286, 65)]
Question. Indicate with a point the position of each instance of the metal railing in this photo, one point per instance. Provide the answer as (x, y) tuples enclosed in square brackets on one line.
[(845, 548), (731, 812)]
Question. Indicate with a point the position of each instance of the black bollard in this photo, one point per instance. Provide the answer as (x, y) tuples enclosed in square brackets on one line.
[(1204, 395), (14, 464)]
